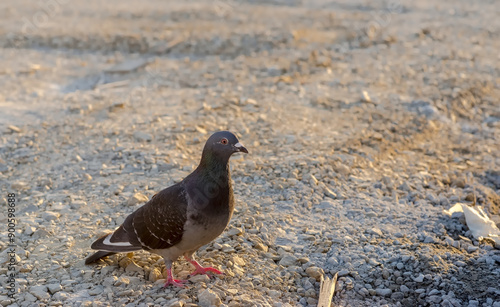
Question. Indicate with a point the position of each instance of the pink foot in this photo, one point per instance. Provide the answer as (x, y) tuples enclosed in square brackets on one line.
[(202, 270), (175, 282), (171, 281)]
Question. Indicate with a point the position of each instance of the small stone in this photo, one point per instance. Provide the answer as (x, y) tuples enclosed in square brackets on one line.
[(199, 278), (343, 272), (14, 128), (122, 280), (29, 230), (132, 268), (96, 290), (261, 247), (208, 298), (404, 289), (40, 292), (29, 297), (137, 198), (429, 239), (397, 296), (419, 278), (472, 248), (434, 299), (315, 272), (154, 275), (60, 296), (473, 303), (238, 260), (383, 292), (226, 248), (53, 288), (274, 294), (109, 281), (50, 215), (234, 232), (333, 261), (174, 303), (288, 260), (77, 204), (375, 231), (460, 263), (312, 180), (143, 136), (19, 186)]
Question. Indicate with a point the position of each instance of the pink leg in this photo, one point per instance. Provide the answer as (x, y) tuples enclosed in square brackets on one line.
[(171, 280), (199, 268)]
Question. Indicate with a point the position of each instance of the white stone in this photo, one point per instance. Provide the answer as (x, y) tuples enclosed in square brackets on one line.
[(208, 298), (137, 198)]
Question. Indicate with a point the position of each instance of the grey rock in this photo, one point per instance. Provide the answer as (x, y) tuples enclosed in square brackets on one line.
[(419, 278), (343, 272), (397, 296), (429, 239), (208, 298), (143, 136), (40, 292), (53, 288), (383, 292), (137, 198), (288, 260), (50, 215)]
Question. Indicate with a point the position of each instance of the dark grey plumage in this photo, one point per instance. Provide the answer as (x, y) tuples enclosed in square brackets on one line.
[(182, 218)]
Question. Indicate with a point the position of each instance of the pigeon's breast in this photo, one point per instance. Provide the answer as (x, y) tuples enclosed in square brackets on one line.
[(201, 229)]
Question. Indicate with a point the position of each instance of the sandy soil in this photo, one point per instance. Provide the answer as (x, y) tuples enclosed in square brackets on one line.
[(364, 121)]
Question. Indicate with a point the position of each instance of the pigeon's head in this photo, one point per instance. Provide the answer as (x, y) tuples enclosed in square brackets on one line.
[(223, 144)]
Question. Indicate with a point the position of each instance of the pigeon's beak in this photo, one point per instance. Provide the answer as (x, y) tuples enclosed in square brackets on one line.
[(239, 147)]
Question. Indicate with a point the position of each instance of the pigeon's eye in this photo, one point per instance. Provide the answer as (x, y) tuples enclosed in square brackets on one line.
[(224, 141)]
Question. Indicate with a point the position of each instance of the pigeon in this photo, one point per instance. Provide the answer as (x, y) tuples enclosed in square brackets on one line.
[(180, 219)]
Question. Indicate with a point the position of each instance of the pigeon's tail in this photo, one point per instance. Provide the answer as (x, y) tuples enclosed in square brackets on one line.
[(116, 242), (97, 256)]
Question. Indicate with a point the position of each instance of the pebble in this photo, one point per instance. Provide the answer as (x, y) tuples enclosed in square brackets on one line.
[(208, 298), (261, 247), (288, 260), (419, 278), (429, 239), (133, 268), (50, 215), (199, 278), (53, 288), (343, 273), (40, 292), (472, 248), (383, 292), (137, 198), (234, 232), (315, 272), (19, 186), (143, 136)]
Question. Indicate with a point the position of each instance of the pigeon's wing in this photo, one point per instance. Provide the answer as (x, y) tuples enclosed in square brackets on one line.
[(160, 223)]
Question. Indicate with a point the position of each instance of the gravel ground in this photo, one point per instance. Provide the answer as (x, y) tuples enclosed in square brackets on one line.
[(364, 121)]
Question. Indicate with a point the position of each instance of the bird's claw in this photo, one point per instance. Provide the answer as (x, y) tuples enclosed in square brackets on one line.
[(175, 282), (202, 270)]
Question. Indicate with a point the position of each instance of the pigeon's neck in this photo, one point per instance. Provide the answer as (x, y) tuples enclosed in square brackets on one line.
[(213, 164), (210, 185)]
